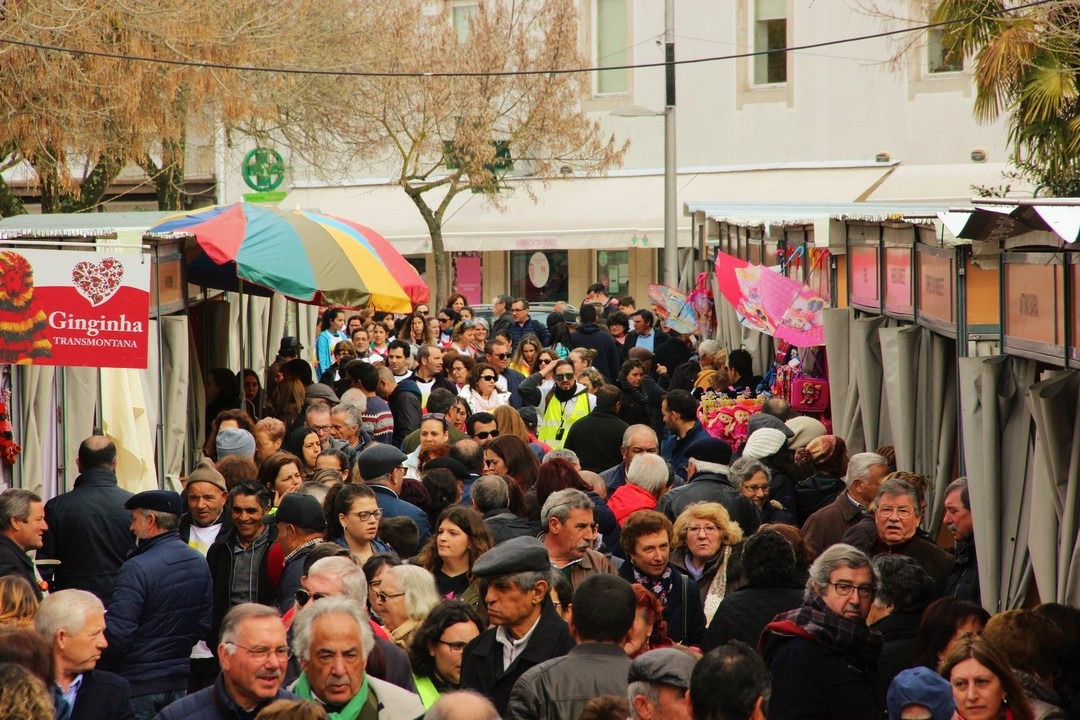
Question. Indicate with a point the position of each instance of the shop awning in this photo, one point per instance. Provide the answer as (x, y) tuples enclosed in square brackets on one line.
[(622, 210), (951, 184), (1005, 220)]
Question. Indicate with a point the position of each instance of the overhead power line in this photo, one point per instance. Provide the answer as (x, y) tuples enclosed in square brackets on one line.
[(510, 73)]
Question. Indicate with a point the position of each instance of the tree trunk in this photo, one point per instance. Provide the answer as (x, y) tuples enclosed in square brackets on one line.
[(97, 181), (10, 203), (169, 178), (433, 219), (51, 188)]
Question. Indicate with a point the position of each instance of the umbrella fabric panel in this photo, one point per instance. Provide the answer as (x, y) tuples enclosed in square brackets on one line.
[(276, 254)]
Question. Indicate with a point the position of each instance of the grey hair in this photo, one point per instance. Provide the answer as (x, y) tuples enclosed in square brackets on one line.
[(649, 690), (305, 621), (347, 572), (15, 505), (560, 504), (164, 521), (230, 626), (352, 412), (745, 468), (961, 484), (527, 580), (896, 486), (315, 408), (356, 398), (648, 472), (703, 466), (629, 433), (421, 592), (65, 610), (443, 708), (490, 492), (836, 556), (565, 454), (708, 347), (315, 489), (859, 466)]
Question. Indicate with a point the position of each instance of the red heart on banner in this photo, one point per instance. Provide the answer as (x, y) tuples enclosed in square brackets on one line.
[(97, 282)]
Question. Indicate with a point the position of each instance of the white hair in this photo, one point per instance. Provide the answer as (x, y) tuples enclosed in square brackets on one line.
[(859, 466), (347, 572), (421, 591), (356, 398), (305, 620), (65, 610), (648, 472)]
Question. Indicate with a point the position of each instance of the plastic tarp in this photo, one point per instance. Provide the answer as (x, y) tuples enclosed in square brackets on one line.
[(998, 452)]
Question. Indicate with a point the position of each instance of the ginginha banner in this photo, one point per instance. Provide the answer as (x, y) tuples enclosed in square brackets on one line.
[(60, 307)]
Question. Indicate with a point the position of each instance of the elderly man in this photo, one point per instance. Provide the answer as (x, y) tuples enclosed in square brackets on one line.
[(317, 417), (239, 558), (707, 460), (893, 531), (963, 581), (526, 630), (161, 606), (730, 683), (823, 651), (646, 483), (491, 498), (22, 525), (347, 425), (700, 371), (332, 638), (382, 468), (596, 437), (557, 689), (569, 535), (636, 440), (561, 405), (254, 655), (88, 526), (659, 687), (73, 623), (300, 524), (828, 525), (904, 591), (462, 705)]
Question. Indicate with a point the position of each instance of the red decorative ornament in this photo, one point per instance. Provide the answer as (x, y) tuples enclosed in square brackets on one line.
[(9, 449)]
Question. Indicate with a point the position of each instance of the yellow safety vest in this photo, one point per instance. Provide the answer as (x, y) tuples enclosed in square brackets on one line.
[(426, 690), (556, 421)]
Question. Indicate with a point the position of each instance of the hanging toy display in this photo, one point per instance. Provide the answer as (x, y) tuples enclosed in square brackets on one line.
[(9, 449), (727, 418)]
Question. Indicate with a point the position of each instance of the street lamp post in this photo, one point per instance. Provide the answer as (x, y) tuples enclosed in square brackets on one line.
[(671, 206)]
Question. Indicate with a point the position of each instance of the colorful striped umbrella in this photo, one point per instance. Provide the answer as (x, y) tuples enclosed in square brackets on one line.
[(287, 252)]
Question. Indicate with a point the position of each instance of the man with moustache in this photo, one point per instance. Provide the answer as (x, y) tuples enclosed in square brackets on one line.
[(963, 580), (570, 534), (254, 655)]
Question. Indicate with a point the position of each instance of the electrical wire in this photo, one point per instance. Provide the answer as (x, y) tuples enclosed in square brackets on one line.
[(512, 73)]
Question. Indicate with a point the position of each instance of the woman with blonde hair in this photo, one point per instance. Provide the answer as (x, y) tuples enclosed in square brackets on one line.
[(704, 538), (289, 398), (22, 695), (461, 339), (525, 354), (18, 603)]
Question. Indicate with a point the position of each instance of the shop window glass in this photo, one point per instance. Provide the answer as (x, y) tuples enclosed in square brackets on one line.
[(941, 56), (770, 33), (610, 33), (613, 270), (540, 275), (461, 15)]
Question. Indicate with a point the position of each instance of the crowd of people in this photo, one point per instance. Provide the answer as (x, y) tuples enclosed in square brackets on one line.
[(448, 517)]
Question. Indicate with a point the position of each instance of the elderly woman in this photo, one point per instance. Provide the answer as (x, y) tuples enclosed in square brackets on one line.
[(646, 481), (405, 597), (984, 686), (752, 479), (705, 536), (269, 435), (437, 648), (646, 541)]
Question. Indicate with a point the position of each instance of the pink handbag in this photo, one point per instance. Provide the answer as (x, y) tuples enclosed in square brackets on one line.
[(810, 388)]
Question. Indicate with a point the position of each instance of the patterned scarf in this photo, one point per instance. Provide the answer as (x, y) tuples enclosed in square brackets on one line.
[(638, 393), (660, 587), (814, 621)]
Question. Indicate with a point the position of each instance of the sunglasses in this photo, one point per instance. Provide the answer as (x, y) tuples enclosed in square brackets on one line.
[(489, 378), (564, 376), (500, 356), (443, 319), (441, 417), (485, 434), (303, 597)]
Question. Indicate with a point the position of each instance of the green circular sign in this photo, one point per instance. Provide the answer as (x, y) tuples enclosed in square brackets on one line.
[(263, 169)]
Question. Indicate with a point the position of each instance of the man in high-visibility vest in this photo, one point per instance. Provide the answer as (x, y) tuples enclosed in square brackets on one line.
[(561, 404)]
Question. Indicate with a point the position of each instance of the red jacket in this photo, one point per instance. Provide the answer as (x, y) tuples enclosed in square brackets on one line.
[(628, 499)]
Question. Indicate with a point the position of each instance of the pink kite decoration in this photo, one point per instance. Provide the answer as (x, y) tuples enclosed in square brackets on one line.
[(768, 302)]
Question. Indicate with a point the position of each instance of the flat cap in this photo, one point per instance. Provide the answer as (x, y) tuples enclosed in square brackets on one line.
[(921, 686), (520, 554), (300, 510), (448, 463), (664, 665), (762, 420), (235, 441), (764, 443), (165, 501), (290, 345), (706, 448), (207, 473), (319, 391), (379, 460)]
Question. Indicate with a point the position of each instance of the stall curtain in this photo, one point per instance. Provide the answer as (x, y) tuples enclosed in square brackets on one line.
[(81, 417), (860, 412), (176, 380), (196, 416), (1054, 543), (126, 419), (996, 425), (920, 385), (36, 429)]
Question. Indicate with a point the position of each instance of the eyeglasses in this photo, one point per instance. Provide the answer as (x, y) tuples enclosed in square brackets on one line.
[(564, 376), (262, 654), (756, 488), (902, 512), (303, 597), (321, 428), (366, 515), (698, 529), (488, 378), (443, 319), (383, 597), (843, 589), (499, 356), (514, 309), (455, 647), (485, 434)]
